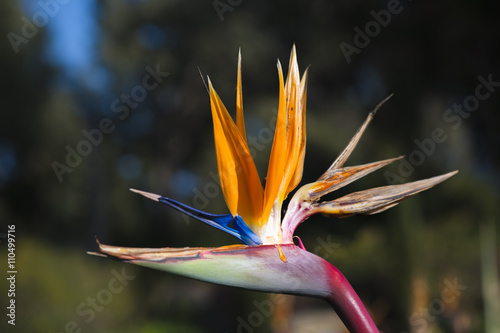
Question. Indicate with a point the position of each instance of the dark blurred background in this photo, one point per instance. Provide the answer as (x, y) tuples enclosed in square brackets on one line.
[(102, 96)]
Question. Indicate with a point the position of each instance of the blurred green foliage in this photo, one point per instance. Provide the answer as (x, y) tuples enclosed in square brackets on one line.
[(430, 55)]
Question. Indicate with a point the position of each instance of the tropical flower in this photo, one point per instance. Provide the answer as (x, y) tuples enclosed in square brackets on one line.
[(269, 260)]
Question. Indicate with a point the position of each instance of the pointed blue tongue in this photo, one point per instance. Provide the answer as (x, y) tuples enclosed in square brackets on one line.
[(220, 221)]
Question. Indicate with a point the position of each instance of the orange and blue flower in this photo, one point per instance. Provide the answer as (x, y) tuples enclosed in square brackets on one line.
[(269, 260)]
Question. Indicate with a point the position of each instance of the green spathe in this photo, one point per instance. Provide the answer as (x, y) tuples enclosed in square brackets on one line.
[(251, 267), (284, 268)]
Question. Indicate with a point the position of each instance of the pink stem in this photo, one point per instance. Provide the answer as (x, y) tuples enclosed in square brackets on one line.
[(347, 304)]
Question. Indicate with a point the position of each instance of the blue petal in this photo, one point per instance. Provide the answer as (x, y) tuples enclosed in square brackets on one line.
[(220, 221)]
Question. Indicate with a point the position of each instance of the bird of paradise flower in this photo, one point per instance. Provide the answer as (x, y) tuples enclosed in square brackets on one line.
[(269, 260)]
